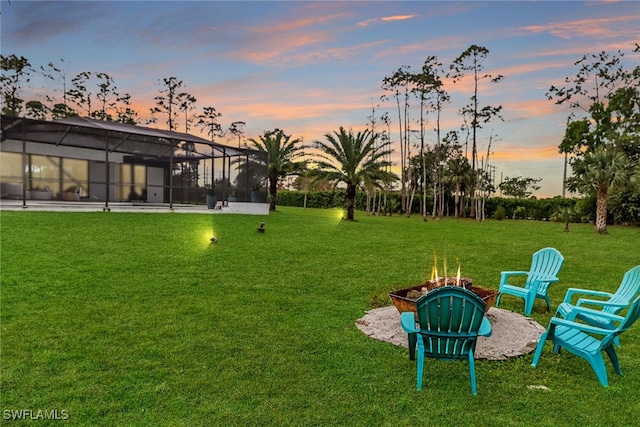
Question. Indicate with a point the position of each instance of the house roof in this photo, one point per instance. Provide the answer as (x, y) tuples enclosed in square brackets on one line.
[(115, 137)]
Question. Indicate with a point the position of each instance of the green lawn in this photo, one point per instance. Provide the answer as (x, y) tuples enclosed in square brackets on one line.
[(135, 319)]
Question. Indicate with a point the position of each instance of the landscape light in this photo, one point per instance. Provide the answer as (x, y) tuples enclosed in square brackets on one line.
[(213, 239), (261, 228)]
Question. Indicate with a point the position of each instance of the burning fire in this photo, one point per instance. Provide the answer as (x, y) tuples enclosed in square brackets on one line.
[(434, 272)]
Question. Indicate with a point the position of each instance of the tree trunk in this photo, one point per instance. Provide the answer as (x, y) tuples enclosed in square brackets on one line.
[(601, 212), (435, 201), (375, 208), (273, 189), (351, 201), (384, 204), (410, 201), (457, 199)]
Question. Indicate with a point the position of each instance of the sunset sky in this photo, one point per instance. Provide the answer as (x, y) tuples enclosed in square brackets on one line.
[(311, 67)]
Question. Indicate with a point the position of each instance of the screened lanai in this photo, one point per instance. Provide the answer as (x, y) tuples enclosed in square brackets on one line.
[(82, 159)]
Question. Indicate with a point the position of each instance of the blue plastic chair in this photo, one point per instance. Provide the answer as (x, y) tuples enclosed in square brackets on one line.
[(580, 339), (545, 265), (611, 303), (449, 321)]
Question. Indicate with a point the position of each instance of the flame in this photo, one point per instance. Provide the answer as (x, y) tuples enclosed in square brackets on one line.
[(444, 264), (434, 271)]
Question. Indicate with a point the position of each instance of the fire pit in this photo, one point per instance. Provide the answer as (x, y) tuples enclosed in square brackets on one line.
[(405, 299)]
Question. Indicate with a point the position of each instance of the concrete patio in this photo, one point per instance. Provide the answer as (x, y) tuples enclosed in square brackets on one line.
[(65, 206)]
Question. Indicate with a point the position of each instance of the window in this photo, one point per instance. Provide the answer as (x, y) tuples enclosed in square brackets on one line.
[(43, 172), (75, 173), (10, 167), (132, 182)]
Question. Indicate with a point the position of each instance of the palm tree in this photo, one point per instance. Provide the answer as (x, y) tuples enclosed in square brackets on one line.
[(352, 160), (566, 214), (459, 171), (283, 153), (601, 171)]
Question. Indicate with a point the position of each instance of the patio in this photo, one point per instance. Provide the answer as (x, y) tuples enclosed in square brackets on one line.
[(63, 206)]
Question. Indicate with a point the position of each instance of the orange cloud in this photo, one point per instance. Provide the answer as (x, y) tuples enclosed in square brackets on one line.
[(517, 70), (528, 153), (530, 108), (466, 84)]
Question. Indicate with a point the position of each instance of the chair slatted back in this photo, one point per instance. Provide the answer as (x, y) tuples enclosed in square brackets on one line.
[(545, 262), (449, 319), (630, 318), (629, 288)]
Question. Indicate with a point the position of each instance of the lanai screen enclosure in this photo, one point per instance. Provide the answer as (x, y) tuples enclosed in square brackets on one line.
[(107, 161)]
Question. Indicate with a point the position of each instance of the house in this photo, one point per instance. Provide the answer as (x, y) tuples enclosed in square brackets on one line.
[(82, 159)]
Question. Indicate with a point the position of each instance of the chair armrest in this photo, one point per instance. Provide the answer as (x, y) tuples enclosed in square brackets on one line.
[(580, 326), (546, 278), (485, 328), (582, 301), (577, 310), (504, 275), (573, 291), (408, 322)]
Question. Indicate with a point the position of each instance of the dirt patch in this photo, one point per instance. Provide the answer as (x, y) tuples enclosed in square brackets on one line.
[(512, 335)]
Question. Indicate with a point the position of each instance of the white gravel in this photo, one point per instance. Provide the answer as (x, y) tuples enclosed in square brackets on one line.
[(512, 335)]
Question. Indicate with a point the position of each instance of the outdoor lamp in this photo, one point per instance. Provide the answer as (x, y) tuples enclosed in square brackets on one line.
[(261, 228)]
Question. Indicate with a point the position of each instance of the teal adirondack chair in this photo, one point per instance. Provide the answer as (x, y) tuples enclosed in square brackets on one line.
[(545, 265), (449, 321), (580, 339), (612, 303)]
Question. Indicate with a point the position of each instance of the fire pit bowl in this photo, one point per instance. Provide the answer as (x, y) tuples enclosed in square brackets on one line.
[(405, 299)]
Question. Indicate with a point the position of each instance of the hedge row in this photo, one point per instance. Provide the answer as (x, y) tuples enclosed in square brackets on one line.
[(511, 208)]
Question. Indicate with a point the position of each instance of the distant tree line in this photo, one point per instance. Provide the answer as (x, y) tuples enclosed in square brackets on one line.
[(96, 95), (557, 209)]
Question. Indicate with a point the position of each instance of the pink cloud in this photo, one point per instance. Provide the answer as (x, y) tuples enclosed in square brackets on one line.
[(384, 19), (273, 49), (297, 24), (330, 53), (598, 27), (432, 45), (579, 50)]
